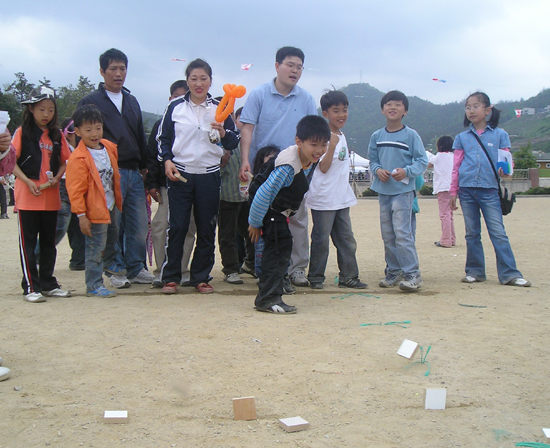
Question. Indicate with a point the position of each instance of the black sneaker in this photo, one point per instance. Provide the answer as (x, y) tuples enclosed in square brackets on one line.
[(315, 285), (354, 283), (280, 308), (287, 286)]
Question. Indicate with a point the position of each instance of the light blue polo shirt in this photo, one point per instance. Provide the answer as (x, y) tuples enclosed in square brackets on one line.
[(275, 116), (475, 170)]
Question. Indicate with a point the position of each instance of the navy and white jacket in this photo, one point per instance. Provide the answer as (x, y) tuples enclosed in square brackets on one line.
[(183, 137), (125, 130)]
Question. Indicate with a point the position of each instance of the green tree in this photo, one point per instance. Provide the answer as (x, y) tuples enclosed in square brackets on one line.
[(524, 158), (9, 103), (21, 88), (69, 96)]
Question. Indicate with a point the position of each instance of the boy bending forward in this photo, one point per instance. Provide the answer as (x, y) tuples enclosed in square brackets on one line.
[(93, 184), (276, 193), (397, 156)]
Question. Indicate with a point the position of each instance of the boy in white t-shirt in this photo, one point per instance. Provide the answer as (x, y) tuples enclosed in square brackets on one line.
[(329, 198), (93, 184)]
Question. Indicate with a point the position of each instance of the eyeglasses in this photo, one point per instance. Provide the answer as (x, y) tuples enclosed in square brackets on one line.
[(292, 66), (476, 107)]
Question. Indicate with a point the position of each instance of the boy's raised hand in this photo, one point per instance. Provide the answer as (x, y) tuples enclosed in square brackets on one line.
[(383, 175), (254, 233), (85, 225)]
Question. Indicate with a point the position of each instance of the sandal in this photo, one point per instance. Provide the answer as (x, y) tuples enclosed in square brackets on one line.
[(204, 288)]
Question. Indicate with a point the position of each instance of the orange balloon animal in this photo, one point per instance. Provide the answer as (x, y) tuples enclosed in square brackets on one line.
[(227, 104)]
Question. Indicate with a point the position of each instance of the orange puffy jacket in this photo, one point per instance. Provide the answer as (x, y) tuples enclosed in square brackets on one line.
[(84, 184)]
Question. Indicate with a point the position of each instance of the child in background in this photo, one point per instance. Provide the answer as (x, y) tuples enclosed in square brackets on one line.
[(397, 156), (276, 198), (93, 184), (233, 217), (41, 152), (442, 164), (330, 196), (474, 181)]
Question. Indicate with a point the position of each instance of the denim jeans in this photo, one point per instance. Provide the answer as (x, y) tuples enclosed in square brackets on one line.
[(101, 249), (133, 223), (335, 224), (397, 233), (473, 202)]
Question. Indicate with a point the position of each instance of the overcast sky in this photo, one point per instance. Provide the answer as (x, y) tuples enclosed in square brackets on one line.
[(499, 46)]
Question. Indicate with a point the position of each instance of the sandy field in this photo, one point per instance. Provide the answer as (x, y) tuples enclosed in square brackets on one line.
[(176, 362)]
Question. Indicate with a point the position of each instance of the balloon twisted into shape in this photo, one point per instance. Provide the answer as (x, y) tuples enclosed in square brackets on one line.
[(227, 104)]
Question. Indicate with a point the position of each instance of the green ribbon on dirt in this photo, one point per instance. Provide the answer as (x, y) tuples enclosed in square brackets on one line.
[(422, 359)]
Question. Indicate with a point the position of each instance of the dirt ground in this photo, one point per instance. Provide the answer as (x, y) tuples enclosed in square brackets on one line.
[(176, 362)]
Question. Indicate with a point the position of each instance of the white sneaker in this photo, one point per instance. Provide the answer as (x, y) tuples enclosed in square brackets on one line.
[(57, 292), (35, 297), (5, 373), (119, 281), (410, 283), (298, 278), (143, 277), (233, 278)]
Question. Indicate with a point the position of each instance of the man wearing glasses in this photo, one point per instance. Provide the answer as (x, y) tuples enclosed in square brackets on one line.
[(269, 117)]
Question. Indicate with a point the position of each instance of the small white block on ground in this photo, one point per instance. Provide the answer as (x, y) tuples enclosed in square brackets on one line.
[(546, 432), (115, 417), (5, 373), (293, 424), (435, 398), (407, 349)]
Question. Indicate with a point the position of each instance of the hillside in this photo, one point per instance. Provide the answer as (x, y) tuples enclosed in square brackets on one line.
[(431, 120)]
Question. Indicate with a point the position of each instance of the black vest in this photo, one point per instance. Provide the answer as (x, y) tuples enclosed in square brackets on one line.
[(288, 200), (30, 159)]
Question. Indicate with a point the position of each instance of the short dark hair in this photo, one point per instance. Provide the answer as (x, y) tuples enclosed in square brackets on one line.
[(89, 113), (238, 112), (287, 52), (333, 98), (266, 151), (445, 144), (395, 95), (483, 98), (313, 127), (180, 84), (110, 56), (198, 63)]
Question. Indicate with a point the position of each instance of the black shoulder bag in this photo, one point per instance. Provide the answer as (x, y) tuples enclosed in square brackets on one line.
[(507, 198)]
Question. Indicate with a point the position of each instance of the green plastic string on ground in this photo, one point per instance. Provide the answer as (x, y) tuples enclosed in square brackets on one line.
[(388, 323), (533, 444), (345, 296), (422, 359)]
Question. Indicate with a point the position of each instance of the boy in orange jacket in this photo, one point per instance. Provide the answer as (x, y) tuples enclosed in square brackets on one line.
[(93, 184)]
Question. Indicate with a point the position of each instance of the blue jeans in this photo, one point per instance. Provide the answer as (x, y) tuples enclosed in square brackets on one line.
[(101, 249), (133, 223), (397, 233), (335, 224), (473, 202)]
